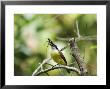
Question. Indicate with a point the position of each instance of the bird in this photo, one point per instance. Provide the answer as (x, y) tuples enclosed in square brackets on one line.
[(57, 55)]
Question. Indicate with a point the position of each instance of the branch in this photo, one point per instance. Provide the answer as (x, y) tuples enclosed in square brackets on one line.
[(85, 38), (77, 56), (77, 28), (40, 67), (57, 67)]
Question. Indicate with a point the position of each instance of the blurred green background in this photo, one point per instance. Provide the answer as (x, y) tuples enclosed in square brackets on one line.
[(32, 30)]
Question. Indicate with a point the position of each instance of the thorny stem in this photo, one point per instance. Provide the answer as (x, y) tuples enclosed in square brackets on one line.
[(77, 56)]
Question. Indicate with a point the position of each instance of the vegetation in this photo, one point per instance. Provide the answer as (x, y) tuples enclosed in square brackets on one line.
[(31, 33)]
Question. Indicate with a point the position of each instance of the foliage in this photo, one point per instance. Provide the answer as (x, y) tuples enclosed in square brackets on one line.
[(31, 32)]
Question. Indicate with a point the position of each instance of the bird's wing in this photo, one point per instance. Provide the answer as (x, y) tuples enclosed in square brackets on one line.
[(62, 56)]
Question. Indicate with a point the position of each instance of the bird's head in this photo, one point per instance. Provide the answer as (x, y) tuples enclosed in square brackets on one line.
[(52, 44)]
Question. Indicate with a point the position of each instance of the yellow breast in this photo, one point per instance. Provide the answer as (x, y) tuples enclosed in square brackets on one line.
[(57, 58)]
